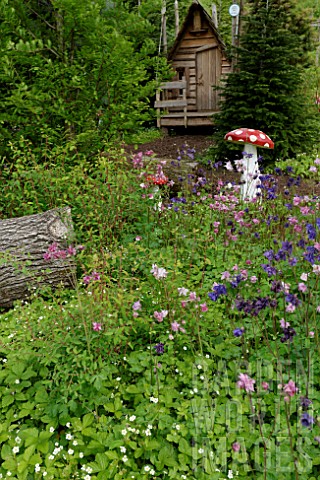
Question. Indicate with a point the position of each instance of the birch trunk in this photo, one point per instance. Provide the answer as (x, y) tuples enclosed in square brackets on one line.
[(23, 243)]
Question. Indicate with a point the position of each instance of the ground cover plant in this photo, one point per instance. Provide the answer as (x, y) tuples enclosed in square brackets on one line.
[(189, 347)]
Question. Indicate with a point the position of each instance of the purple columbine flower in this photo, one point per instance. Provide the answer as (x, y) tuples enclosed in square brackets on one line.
[(307, 420), (159, 348), (305, 402), (238, 332), (311, 231), (218, 290)]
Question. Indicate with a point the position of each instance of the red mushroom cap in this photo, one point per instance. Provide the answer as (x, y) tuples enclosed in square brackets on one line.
[(248, 135)]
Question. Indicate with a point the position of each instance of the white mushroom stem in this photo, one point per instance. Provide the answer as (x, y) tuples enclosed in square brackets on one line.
[(251, 172)]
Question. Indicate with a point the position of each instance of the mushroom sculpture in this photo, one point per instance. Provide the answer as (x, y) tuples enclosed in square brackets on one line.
[(251, 139)]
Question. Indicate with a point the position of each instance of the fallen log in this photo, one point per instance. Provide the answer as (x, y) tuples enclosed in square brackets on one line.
[(25, 264)]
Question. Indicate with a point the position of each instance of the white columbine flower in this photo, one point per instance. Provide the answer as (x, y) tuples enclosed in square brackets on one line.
[(158, 272)]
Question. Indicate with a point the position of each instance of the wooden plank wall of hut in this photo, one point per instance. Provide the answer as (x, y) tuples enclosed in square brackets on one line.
[(185, 58)]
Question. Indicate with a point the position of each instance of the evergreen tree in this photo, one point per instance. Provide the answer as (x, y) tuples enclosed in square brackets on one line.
[(266, 90)]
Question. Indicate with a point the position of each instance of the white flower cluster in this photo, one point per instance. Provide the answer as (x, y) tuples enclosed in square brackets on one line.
[(147, 468), (86, 469)]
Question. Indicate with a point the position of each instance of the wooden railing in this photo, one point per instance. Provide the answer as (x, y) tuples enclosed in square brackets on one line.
[(162, 102)]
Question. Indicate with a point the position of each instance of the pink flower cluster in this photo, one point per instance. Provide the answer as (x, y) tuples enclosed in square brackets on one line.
[(54, 253), (290, 389), (91, 278), (246, 383)]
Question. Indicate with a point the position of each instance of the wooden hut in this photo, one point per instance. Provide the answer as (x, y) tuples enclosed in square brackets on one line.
[(199, 60)]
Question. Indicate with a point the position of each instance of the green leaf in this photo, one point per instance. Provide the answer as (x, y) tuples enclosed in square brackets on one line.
[(29, 451), (88, 420), (6, 452), (103, 461)]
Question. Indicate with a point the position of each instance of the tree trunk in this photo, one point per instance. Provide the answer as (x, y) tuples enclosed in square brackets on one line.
[(24, 242)]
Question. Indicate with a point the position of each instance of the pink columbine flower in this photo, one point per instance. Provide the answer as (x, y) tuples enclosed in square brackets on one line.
[(203, 307), (305, 210), (160, 315), (96, 326), (138, 238), (290, 308), (284, 324), (318, 309), (175, 326), (317, 246), (183, 291), (253, 279), (317, 161), (313, 169), (265, 385), (158, 272), (136, 306), (229, 166), (316, 269), (193, 296), (304, 277), (246, 382), (290, 388), (236, 446), (311, 334), (148, 153), (225, 275), (302, 287)]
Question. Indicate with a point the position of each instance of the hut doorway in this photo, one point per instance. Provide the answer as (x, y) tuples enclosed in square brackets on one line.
[(208, 60)]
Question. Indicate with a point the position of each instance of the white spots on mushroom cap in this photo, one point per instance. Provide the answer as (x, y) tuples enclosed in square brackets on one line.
[(253, 138), (238, 132), (266, 145), (230, 139), (261, 135)]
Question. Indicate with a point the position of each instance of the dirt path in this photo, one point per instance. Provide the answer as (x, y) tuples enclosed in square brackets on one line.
[(170, 146)]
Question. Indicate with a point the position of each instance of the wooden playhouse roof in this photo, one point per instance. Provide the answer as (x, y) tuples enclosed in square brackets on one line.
[(196, 5)]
